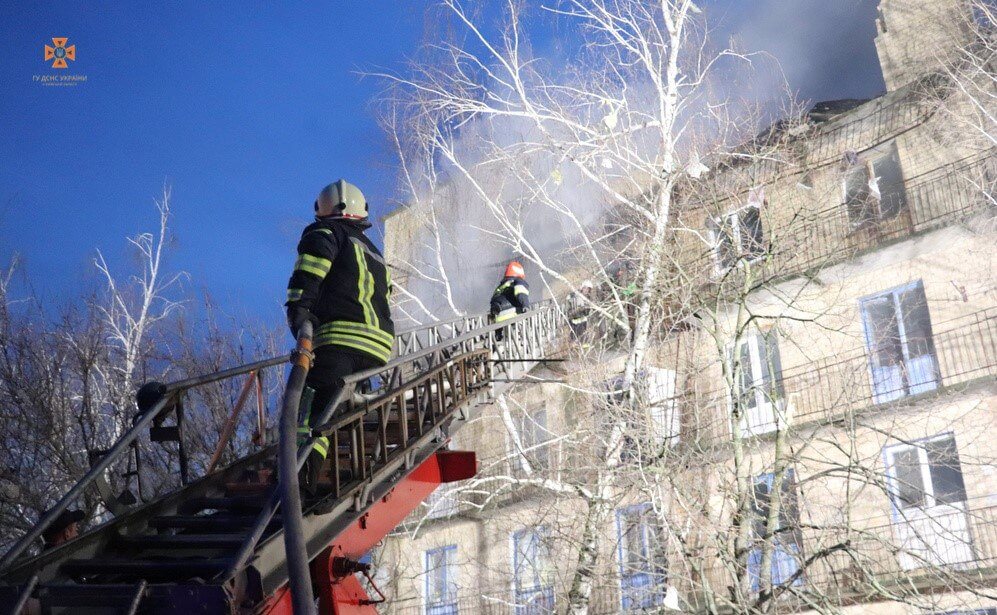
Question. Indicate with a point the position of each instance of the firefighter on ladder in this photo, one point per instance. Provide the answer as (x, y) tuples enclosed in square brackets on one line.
[(340, 282), (511, 296)]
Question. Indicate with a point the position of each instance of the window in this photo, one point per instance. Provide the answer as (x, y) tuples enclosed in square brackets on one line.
[(533, 573), (657, 424), (929, 502), (737, 236), (441, 581), (899, 343), (441, 503), (786, 542), (927, 475), (874, 186), (532, 431), (643, 565), (759, 394), (662, 406)]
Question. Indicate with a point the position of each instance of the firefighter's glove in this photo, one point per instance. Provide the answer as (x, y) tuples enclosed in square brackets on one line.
[(296, 317)]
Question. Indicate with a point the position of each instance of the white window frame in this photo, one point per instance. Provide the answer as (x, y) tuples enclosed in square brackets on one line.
[(539, 447), (739, 250), (878, 394), (937, 533), (662, 405), (542, 535), (776, 409), (451, 579), (924, 465)]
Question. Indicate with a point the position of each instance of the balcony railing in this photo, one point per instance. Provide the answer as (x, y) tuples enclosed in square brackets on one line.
[(825, 236), (905, 554), (501, 600), (964, 349), (872, 123)]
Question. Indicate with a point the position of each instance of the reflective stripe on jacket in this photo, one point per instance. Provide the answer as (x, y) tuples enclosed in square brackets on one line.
[(342, 279)]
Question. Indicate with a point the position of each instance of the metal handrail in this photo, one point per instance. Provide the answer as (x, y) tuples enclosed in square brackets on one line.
[(175, 389), (485, 334)]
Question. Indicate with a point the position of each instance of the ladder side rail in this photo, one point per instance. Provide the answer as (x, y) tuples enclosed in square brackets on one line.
[(540, 314), (471, 339), (121, 448), (486, 333), (358, 495)]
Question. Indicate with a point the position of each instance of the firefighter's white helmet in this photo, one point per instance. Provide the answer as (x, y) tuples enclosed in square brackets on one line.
[(341, 199)]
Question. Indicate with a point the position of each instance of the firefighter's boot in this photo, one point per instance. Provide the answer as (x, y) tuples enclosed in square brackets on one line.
[(310, 473)]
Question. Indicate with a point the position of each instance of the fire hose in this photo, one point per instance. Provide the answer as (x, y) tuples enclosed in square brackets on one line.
[(299, 577)]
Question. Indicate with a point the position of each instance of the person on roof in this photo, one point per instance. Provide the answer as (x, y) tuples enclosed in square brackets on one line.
[(511, 296), (342, 285)]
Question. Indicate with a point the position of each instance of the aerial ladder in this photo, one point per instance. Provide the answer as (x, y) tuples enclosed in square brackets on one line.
[(216, 545)]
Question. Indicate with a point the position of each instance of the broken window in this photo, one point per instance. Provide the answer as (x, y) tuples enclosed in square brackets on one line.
[(874, 186), (737, 236)]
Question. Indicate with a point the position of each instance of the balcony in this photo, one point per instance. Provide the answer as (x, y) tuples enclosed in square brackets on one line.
[(819, 237), (962, 350), (497, 599), (916, 553)]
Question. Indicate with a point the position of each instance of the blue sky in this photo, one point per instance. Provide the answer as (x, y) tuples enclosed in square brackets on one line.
[(247, 111)]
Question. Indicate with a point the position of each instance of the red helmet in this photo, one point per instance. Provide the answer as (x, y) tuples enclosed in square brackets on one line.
[(515, 270)]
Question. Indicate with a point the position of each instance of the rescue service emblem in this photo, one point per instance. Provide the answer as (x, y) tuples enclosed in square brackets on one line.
[(60, 53)]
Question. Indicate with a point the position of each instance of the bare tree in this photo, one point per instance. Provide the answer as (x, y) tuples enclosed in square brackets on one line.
[(68, 384)]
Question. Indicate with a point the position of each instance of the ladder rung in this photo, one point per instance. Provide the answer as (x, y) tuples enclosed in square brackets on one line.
[(238, 502), (180, 541), (82, 596), (202, 522), (178, 569), (247, 488)]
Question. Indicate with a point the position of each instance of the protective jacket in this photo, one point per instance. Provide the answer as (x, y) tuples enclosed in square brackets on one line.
[(511, 297), (341, 278)]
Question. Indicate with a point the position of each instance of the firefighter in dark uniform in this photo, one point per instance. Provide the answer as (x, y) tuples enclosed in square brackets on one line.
[(340, 283), (511, 296)]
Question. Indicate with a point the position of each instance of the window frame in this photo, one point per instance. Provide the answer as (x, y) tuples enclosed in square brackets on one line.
[(792, 549), (664, 414), (449, 604), (928, 488), (908, 387), (536, 450), (768, 397), (524, 596), (640, 589), (441, 503), (716, 225), (866, 165)]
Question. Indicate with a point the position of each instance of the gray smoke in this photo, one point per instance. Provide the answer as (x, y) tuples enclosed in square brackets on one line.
[(823, 50)]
